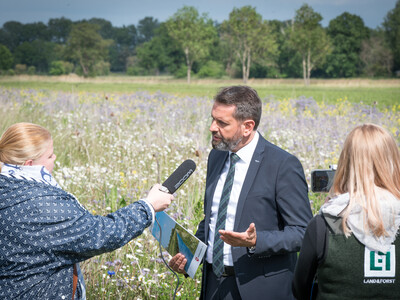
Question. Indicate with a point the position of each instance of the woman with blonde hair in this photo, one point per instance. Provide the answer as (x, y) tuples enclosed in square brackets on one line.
[(350, 250), (44, 231)]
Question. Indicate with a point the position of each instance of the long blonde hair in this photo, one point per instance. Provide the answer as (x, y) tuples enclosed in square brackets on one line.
[(22, 142), (370, 158)]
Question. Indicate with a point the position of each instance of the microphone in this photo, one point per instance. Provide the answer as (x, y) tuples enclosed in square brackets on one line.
[(179, 176)]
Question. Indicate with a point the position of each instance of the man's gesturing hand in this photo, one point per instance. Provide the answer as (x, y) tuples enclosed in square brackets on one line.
[(240, 239)]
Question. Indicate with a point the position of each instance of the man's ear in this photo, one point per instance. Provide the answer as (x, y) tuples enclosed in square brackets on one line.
[(29, 162), (248, 127)]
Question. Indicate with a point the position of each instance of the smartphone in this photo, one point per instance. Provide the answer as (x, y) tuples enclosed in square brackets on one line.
[(322, 180)]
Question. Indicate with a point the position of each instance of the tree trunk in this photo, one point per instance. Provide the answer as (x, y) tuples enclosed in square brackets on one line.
[(304, 70), (244, 70), (189, 69), (189, 65), (248, 65), (308, 66), (84, 69)]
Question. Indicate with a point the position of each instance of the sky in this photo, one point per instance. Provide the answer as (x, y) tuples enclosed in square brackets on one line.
[(128, 12)]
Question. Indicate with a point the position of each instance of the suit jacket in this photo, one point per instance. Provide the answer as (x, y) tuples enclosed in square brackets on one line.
[(275, 197)]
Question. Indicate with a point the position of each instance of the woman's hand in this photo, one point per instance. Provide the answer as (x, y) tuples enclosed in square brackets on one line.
[(158, 199)]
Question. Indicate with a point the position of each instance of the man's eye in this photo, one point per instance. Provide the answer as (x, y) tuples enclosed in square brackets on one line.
[(223, 124)]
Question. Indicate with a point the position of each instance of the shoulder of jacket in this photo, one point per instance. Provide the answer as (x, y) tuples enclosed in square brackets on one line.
[(333, 223)]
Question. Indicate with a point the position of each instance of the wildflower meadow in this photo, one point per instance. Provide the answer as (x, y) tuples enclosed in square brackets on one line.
[(111, 148)]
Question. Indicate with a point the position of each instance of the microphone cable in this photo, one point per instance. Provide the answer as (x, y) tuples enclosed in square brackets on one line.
[(173, 182), (162, 257)]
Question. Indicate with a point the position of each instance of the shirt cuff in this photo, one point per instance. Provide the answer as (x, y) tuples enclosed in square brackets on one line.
[(153, 212)]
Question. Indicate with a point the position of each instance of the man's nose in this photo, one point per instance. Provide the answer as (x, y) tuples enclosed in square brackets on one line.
[(213, 126)]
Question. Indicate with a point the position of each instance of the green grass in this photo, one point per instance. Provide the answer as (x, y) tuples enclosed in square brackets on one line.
[(382, 93)]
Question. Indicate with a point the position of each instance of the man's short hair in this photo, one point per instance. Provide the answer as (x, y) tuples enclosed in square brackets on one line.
[(246, 100)]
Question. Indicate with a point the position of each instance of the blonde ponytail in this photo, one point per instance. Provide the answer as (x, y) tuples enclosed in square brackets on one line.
[(22, 142)]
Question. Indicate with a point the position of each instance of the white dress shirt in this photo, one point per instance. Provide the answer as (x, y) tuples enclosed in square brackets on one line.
[(241, 167)]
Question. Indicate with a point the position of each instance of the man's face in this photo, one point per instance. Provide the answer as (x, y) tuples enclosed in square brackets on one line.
[(227, 132)]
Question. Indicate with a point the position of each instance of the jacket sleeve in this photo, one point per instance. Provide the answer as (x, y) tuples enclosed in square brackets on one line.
[(312, 253), (293, 207), (74, 234)]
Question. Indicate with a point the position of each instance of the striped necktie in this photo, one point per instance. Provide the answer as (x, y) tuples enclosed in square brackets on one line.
[(218, 248)]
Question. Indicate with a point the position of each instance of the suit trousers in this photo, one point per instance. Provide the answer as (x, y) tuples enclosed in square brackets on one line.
[(223, 288)]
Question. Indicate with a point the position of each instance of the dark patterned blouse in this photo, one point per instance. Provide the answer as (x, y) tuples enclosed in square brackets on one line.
[(44, 231)]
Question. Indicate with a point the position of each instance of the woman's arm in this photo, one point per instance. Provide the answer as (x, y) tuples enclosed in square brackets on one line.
[(312, 253)]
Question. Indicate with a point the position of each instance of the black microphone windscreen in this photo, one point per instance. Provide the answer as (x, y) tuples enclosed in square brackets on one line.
[(179, 176)]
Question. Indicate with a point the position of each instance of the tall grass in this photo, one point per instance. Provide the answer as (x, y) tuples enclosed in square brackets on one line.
[(381, 93), (111, 147)]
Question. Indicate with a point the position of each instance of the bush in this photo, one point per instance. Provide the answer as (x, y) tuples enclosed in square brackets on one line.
[(136, 71), (181, 72), (60, 67), (101, 68), (69, 67), (211, 69), (31, 70), (20, 69), (56, 68)]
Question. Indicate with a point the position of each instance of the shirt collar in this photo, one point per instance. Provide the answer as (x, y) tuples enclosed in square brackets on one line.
[(246, 153)]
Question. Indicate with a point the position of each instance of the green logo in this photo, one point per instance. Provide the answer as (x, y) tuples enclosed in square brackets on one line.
[(378, 264), (379, 260)]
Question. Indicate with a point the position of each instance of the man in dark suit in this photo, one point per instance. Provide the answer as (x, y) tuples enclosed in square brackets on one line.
[(264, 219)]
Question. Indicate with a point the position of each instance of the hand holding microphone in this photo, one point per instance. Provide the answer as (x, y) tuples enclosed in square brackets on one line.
[(160, 196), (158, 199)]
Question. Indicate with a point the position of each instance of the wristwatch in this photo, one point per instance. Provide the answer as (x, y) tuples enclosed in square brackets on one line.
[(252, 249)]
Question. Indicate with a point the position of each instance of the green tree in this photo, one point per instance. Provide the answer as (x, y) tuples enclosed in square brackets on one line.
[(377, 58), (346, 33), (124, 41), (35, 31), (106, 30), (146, 29), (86, 47), (152, 56), (59, 29), (309, 39), (250, 38), (194, 34), (123, 47), (11, 35), (6, 58), (160, 54), (223, 52), (37, 53), (289, 60), (392, 33)]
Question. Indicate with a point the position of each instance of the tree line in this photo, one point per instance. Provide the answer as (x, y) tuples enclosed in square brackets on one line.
[(191, 44)]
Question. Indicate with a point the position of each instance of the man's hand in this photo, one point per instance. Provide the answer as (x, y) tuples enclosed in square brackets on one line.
[(177, 263), (240, 239)]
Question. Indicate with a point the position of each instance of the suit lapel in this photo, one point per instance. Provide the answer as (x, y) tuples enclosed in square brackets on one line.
[(216, 165), (250, 176)]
